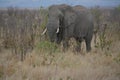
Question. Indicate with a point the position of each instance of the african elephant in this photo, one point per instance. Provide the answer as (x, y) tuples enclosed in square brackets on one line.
[(65, 22)]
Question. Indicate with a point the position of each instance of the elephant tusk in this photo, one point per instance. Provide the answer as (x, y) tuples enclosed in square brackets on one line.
[(57, 30), (44, 31)]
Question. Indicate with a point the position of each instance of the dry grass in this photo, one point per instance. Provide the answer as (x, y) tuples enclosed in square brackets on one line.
[(57, 65), (62, 66)]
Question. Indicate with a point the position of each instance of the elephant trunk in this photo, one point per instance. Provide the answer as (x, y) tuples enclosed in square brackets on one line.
[(53, 29)]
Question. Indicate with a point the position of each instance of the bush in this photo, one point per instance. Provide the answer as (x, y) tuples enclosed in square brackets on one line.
[(46, 46), (104, 42)]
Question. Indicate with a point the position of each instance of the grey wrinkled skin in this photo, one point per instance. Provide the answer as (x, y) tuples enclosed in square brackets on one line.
[(72, 23)]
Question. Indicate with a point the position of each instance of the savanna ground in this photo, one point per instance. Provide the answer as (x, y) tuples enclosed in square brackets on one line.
[(26, 55)]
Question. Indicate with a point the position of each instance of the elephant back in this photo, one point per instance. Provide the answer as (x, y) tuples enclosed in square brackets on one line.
[(83, 11), (80, 8), (65, 7)]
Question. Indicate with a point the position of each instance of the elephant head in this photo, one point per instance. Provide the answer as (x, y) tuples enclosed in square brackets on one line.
[(54, 23), (59, 17)]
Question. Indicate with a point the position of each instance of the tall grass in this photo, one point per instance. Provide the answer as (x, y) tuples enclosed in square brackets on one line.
[(20, 29), (20, 37)]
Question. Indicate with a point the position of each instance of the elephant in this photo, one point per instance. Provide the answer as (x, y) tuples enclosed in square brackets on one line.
[(66, 22)]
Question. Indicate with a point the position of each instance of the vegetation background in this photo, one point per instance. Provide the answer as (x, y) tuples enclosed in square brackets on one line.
[(26, 55)]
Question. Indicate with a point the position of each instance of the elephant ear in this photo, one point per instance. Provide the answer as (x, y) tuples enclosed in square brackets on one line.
[(70, 18)]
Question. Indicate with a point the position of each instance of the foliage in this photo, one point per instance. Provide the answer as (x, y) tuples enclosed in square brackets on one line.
[(115, 16), (44, 14), (48, 50), (117, 59), (46, 46), (103, 43), (18, 29), (96, 13), (44, 17), (97, 19)]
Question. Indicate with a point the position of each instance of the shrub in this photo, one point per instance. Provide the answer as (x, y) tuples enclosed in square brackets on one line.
[(103, 43), (46, 46)]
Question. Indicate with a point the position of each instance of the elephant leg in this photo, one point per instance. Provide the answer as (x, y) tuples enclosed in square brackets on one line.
[(65, 45), (78, 47), (88, 43)]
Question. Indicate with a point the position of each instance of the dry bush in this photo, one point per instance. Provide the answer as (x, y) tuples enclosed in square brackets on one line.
[(19, 29), (106, 26), (20, 33)]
